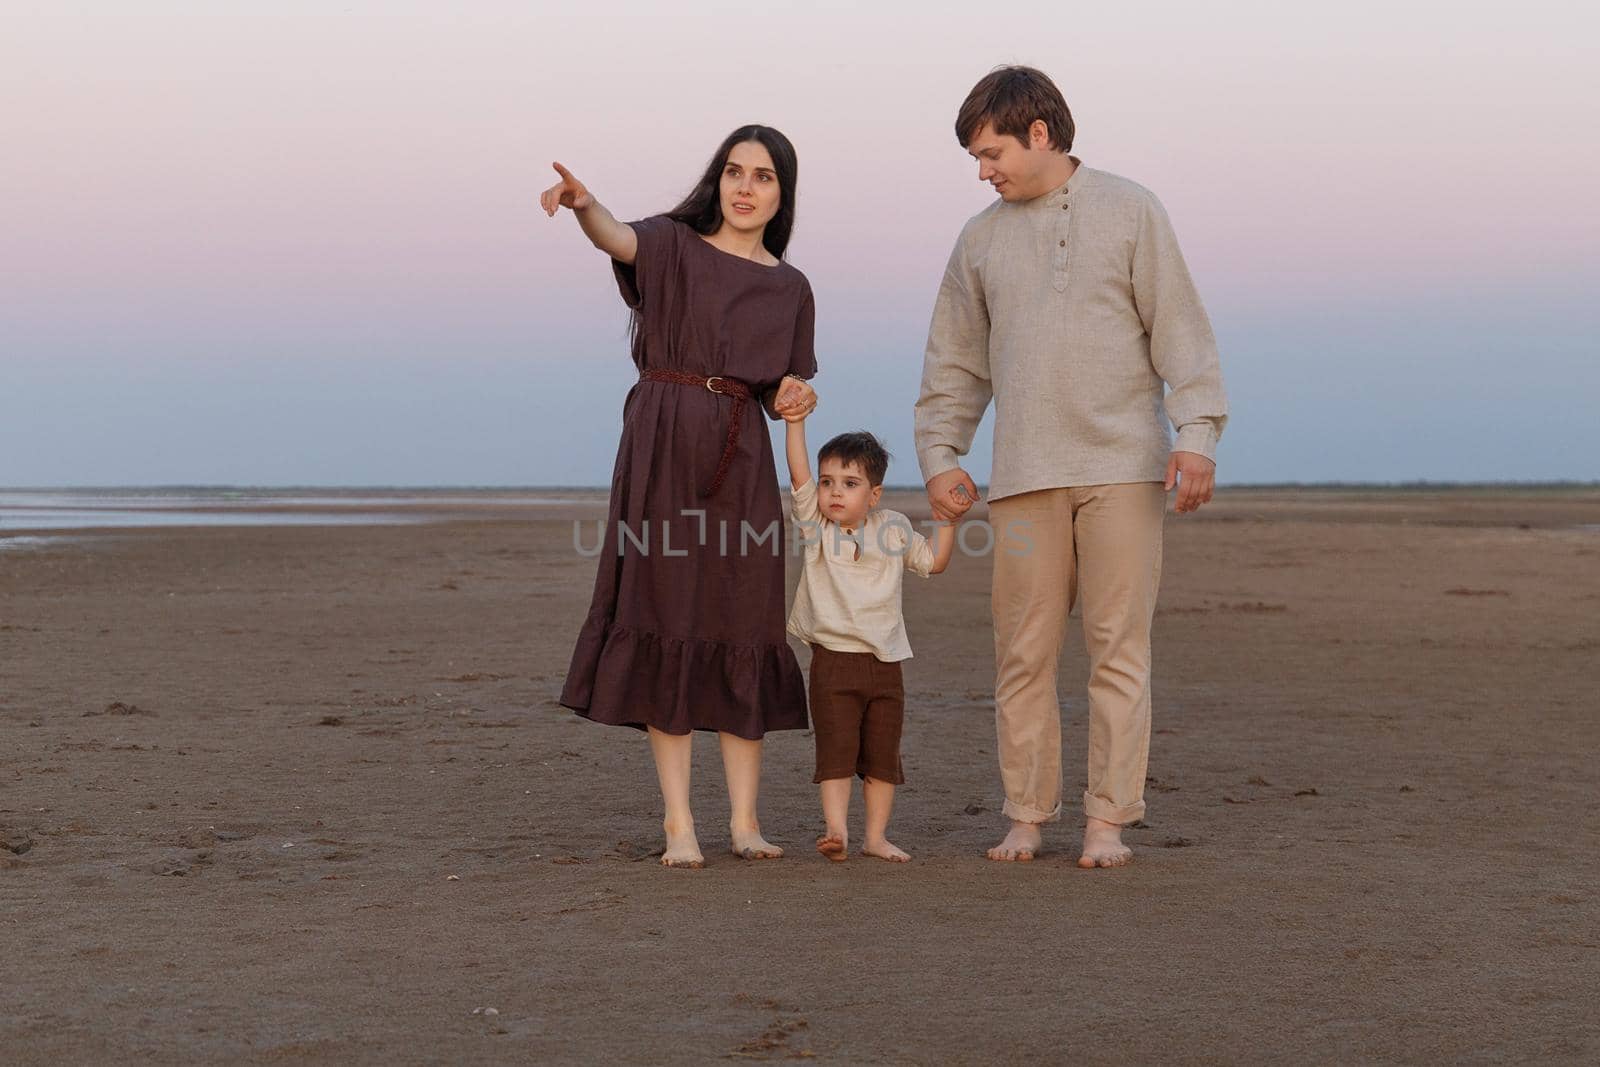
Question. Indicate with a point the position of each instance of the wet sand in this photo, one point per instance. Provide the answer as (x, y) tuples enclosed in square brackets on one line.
[(303, 794)]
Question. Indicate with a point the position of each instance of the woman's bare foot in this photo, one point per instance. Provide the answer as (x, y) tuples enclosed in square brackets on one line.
[(1102, 846), (682, 848), (885, 850), (1020, 845), (749, 844), (834, 846)]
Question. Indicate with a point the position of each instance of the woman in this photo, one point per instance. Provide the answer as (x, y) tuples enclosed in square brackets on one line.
[(686, 628)]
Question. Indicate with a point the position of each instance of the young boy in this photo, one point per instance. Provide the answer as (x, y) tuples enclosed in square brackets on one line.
[(847, 609)]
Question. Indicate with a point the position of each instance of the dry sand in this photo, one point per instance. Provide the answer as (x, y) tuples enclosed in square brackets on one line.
[(338, 812)]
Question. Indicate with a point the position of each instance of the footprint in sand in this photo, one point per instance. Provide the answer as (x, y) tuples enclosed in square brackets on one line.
[(775, 1040), (117, 707), (181, 866)]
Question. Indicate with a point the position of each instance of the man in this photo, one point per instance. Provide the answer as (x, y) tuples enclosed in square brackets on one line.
[(1068, 303)]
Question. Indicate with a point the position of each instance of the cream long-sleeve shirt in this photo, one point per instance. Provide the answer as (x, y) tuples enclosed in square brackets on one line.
[(1071, 311), (849, 601)]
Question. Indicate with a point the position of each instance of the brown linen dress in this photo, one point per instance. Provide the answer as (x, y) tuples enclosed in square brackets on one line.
[(682, 633)]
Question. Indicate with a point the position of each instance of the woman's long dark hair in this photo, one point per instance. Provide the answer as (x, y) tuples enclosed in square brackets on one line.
[(702, 208)]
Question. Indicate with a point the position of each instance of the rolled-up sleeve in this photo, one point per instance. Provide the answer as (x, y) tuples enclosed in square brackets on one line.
[(804, 502), (919, 555), (806, 514), (911, 548)]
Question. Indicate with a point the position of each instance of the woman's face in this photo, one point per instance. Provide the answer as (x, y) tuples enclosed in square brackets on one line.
[(750, 193)]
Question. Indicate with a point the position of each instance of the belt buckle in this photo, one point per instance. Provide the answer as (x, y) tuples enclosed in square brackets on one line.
[(713, 378)]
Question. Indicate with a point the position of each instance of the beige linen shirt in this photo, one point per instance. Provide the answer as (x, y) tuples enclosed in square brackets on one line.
[(848, 604), (1071, 311)]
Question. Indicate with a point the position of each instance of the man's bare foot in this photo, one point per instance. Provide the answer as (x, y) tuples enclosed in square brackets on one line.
[(682, 848), (1102, 845), (750, 845), (834, 846), (885, 850), (1020, 845)]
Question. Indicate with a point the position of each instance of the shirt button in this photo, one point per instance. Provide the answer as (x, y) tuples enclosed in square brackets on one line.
[(1063, 207), (1063, 244)]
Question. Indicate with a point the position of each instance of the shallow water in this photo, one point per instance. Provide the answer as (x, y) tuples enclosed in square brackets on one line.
[(101, 509), (107, 518)]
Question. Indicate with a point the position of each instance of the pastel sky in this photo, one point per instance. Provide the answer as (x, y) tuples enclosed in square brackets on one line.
[(298, 243)]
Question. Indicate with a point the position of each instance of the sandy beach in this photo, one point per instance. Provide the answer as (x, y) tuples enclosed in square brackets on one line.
[(303, 794)]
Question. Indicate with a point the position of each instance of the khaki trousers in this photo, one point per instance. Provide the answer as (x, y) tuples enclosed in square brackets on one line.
[(1103, 542)]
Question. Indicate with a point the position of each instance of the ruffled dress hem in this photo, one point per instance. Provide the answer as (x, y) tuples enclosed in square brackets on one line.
[(678, 685)]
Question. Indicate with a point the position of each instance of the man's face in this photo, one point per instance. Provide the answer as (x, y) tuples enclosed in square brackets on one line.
[(750, 193), (1006, 163)]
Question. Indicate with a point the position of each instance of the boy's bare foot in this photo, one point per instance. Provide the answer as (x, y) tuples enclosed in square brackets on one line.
[(834, 846), (885, 850), (1102, 845), (749, 844), (682, 848), (1020, 845)]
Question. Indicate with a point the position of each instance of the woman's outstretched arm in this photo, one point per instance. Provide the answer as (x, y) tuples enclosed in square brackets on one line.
[(614, 238)]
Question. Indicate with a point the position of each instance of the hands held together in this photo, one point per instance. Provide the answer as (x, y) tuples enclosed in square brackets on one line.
[(795, 399), (951, 494)]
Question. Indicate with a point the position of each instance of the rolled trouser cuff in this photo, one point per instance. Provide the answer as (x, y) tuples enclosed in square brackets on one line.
[(1121, 814), (1022, 813)]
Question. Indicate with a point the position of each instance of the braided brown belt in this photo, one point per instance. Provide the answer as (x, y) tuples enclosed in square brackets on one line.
[(732, 387)]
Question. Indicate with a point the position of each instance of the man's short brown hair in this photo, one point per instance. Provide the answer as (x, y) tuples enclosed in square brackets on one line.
[(1009, 99)]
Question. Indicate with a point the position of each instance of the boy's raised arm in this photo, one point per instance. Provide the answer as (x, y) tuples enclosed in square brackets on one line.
[(795, 445)]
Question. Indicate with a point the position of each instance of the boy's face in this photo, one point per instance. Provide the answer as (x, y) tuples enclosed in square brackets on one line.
[(844, 494)]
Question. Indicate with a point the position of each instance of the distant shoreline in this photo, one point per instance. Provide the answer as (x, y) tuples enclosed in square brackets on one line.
[(40, 517)]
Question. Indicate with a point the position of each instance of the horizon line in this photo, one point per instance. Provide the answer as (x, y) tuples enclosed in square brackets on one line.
[(1409, 483)]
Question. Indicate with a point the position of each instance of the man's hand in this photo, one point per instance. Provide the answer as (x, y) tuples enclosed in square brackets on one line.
[(950, 494), (1198, 481), (795, 400)]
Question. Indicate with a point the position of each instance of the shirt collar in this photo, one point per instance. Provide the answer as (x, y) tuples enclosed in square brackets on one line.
[(1072, 185)]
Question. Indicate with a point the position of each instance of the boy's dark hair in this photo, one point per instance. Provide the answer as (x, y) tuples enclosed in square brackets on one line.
[(1009, 99), (860, 448)]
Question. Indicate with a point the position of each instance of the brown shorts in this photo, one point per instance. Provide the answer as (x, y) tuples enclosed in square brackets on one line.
[(857, 705)]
